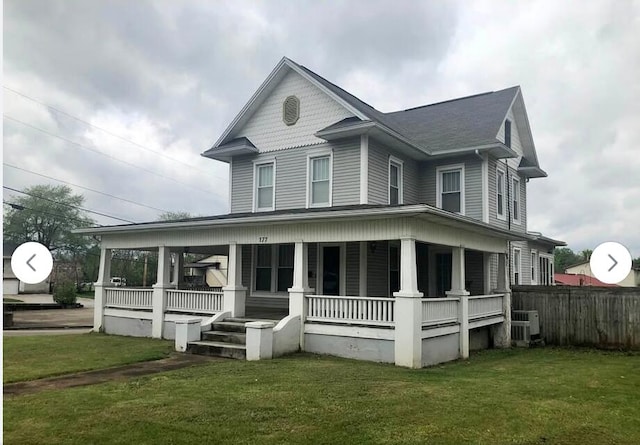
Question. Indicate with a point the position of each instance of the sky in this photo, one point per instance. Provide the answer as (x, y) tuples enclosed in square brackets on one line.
[(123, 96)]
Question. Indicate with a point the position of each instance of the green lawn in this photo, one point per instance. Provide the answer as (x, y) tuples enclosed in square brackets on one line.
[(550, 396), (11, 300), (33, 357)]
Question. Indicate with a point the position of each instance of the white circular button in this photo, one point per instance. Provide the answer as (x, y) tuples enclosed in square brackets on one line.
[(610, 262), (32, 263)]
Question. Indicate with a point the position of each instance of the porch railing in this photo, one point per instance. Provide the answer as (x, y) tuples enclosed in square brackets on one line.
[(485, 306), (194, 301), (376, 311), (128, 298), (437, 311)]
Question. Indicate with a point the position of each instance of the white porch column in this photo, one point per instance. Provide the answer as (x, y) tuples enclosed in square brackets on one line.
[(104, 279), (458, 291), (234, 292), (297, 301), (501, 333), (178, 269), (363, 269), (159, 301), (408, 309)]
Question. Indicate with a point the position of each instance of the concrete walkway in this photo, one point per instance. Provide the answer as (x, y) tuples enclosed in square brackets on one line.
[(52, 318), (174, 361)]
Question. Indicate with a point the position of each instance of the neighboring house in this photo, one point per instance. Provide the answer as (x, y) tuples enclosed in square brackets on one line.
[(564, 279), (385, 236), (584, 268), (207, 272)]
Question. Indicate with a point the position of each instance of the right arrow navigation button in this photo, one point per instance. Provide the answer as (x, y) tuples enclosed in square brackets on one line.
[(610, 262)]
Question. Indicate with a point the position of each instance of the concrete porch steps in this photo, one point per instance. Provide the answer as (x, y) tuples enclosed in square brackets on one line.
[(237, 338), (217, 349)]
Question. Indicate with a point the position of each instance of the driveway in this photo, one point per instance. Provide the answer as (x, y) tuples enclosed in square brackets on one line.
[(52, 318)]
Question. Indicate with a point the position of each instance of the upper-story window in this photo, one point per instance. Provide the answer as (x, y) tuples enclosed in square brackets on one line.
[(395, 181), (320, 181), (507, 133), (516, 201), (450, 188), (264, 180), (500, 192)]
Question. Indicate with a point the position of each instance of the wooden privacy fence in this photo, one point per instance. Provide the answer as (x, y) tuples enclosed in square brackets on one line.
[(584, 316)]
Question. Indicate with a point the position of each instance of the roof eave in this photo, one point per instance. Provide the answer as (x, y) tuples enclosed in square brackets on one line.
[(532, 172), (496, 149)]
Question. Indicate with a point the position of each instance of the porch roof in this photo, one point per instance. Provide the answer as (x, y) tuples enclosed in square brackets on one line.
[(350, 212)]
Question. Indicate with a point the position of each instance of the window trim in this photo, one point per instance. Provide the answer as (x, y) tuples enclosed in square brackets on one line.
[(513, 263), (256, 165), (516, 193), (275, 261), (400, 165), (501, 216), (310, 157), (534, 266), (445, 168)]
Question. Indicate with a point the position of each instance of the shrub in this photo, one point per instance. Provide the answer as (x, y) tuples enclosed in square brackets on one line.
[(65, 293)]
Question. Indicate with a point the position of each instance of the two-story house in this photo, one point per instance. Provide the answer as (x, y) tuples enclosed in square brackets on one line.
[(354, 220)]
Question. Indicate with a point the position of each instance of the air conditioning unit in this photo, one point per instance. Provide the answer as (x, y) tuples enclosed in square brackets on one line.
[(525, 328)]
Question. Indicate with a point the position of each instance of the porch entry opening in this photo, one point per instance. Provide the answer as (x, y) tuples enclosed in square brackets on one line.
[(331, 270)]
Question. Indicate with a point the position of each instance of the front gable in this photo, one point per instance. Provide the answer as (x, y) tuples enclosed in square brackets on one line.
[(266, 128)]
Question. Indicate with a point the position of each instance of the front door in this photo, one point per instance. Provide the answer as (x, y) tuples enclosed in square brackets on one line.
[(331, 270)]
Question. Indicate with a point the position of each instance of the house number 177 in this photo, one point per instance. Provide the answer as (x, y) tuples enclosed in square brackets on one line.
[(263, 239)]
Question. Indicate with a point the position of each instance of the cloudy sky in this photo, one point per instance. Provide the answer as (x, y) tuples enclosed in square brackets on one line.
[(145, 86)]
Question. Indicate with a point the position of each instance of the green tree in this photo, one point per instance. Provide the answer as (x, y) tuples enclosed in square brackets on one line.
[(47, 214), (585, 255), (172, 216), (564, 257)]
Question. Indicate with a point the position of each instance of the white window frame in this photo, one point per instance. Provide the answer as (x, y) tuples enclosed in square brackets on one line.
[(534, 266), (519, 266), (444, 169), (256, 165), (501, 216), (310, 157), (516, 198), (275, 260), (400, 165)]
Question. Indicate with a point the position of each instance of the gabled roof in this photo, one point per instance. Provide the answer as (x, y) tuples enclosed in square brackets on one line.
[(454, 126), (579, 280)]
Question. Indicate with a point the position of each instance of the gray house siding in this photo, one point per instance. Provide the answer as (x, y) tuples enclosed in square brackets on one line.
[(291, 176), (353, 269), (473, 263), (493, 197), (472, 183), (378, 270), (379, 175)]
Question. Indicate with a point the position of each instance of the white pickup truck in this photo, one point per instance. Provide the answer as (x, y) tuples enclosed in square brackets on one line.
[(118, 281)]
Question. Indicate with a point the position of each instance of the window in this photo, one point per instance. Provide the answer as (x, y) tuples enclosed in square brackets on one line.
[(263, 268), (395, 181), (320, 181), (500, 181), (516, 266), (291, 110), (450, 193), (534, 267), (285, 267), (265, 190), (516, 200), (507, 133), (394, 268)]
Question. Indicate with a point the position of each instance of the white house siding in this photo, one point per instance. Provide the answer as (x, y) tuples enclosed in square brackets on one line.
[(525, 262), (346, 172), (379, 175), (353, 269), (378, 270), (516, 143), (266, 128), (242, 185), (472, 183)]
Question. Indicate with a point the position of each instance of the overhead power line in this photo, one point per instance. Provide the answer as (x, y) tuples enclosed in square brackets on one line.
[(67, 205), (85, 188), (93, 150), (71, 116)]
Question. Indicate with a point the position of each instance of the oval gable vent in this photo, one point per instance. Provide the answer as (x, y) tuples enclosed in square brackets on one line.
[(291, 110)]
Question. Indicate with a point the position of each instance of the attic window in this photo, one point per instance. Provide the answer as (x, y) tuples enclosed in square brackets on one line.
[(291, 110)]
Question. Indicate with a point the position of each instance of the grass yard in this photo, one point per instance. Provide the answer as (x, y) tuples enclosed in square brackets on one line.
[(28, 358), (550, 396), (11, 300)]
